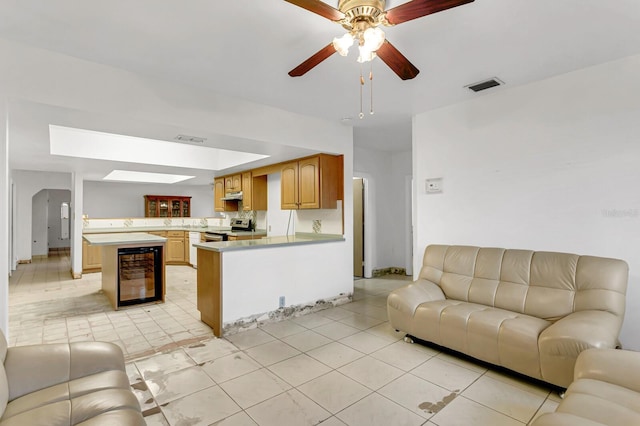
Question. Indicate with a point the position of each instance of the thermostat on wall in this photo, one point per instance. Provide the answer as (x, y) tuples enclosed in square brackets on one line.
[(433, 186)]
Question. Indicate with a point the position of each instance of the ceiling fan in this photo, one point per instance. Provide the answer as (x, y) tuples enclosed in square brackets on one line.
[(362, 18)]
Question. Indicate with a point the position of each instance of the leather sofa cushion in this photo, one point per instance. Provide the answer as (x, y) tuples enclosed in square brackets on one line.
[(494, 335), (30, 368), (602, 403), (97, 407), (546, 285), (71, 390), (605, 392)]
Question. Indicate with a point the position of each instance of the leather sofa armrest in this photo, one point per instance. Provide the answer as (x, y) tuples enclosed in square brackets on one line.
[(580, 331), (35, 367), (408, 298), (614, 366)]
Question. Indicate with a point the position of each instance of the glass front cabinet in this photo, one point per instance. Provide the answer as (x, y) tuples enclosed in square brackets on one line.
[(167, 206)]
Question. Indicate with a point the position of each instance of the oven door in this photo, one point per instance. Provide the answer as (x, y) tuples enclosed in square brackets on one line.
[(212, 236)]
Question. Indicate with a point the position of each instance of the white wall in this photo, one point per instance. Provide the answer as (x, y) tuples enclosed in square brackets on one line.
[(277, 219), (28, 184), (126, 200), (385, 179), (552, 165)]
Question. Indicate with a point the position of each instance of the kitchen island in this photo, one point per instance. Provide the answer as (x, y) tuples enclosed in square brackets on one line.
[(177, 247), (242, 282), (133, 267)]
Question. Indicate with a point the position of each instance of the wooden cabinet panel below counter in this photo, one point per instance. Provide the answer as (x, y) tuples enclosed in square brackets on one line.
[(91, 258)]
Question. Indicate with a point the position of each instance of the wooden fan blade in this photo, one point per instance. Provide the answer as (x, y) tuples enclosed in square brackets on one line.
[(314, 60), (419, 8), (396, 61), (320, 8)]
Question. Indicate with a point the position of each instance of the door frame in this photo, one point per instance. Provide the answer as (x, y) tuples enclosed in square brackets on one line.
[(368, 246), (408, 253)]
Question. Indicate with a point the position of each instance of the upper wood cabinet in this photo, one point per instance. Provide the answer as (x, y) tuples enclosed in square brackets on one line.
[(218, 193), (233, 183), (289, 186), (167, 206), (247, 195), (311, 183), (220, 190), (258, 194), (314, 182), (254, 192)]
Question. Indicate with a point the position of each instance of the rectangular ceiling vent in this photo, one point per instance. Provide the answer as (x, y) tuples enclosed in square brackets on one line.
[(190, 139), (484, 85)]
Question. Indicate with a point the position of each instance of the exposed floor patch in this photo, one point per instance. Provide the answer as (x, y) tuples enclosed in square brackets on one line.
[(434, 408), (151, 411)]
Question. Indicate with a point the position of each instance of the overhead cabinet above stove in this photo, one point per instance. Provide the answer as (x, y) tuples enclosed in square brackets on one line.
[(314, 182)]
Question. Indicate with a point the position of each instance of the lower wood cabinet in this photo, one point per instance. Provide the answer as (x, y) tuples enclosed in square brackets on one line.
[(91, 257), (176, 247)]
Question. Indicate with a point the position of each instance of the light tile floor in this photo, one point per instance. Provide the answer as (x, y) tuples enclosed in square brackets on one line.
[(340, 366)]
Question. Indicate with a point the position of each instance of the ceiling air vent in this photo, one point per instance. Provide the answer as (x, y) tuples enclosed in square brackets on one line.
[(191, 139), (484, 85)]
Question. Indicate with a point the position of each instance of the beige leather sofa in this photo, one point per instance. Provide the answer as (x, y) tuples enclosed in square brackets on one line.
[(65, 384), (531, 312), (606, 391)]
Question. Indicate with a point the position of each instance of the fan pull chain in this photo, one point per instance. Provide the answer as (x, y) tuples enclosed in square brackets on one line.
[(371, 87), (361, 115)]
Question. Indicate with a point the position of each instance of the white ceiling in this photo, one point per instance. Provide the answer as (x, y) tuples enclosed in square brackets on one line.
[(245, 48)]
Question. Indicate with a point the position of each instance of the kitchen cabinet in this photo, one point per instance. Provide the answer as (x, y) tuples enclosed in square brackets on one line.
[(167, 206), (220, 186), (311, 183), (176, 247), (247, 194), (91, 257), (233, 183), (254, 192), (218, 193)]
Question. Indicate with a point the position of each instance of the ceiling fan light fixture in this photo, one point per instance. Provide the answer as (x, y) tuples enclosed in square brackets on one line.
[(373, 38), (366, 55), (342, 44), (370, 41)]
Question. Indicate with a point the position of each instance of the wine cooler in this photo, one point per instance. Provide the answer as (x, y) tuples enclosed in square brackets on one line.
[(139, 275)]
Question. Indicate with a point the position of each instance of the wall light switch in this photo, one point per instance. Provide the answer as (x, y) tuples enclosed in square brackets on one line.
[(433, 186)]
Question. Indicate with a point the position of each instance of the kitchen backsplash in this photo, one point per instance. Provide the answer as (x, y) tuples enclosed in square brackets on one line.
[(192, 222), (320, 221), (306, 221)]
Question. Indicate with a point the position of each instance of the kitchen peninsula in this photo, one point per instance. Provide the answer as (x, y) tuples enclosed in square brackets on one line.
[(133, 267), (244, 281)]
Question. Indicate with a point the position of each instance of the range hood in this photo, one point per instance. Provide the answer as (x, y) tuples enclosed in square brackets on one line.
[(233, 196)]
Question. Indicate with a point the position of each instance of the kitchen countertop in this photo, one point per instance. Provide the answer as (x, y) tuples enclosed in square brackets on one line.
[(217, 229), (124, 238), (268, 242)]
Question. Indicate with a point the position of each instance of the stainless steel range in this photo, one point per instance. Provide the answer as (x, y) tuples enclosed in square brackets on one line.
[(236, 225)]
